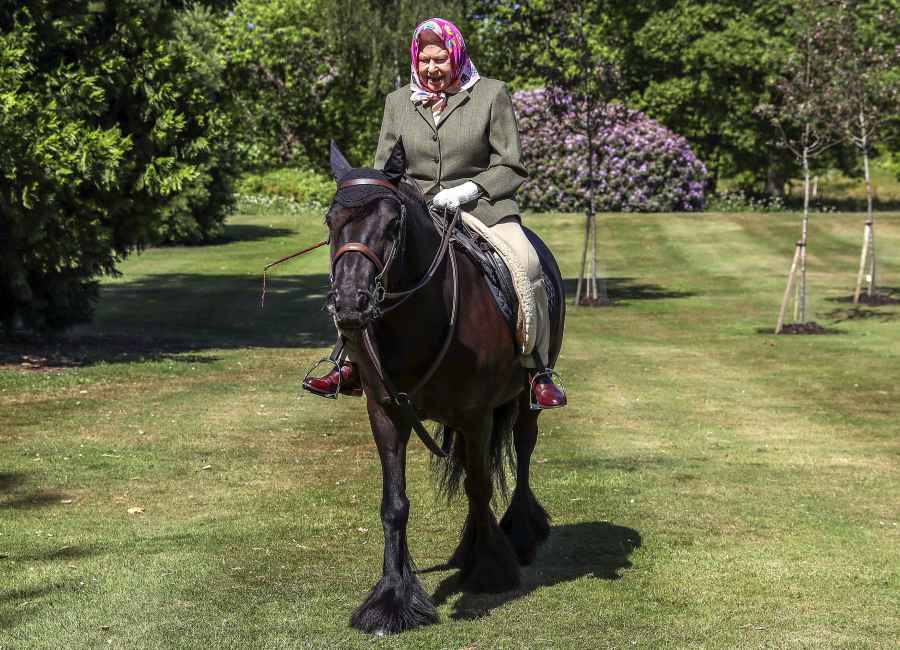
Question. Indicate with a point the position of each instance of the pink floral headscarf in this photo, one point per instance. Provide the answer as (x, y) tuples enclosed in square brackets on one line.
[(463, 74)]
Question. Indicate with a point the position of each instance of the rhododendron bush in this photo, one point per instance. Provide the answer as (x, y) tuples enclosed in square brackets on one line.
[(639, 165)]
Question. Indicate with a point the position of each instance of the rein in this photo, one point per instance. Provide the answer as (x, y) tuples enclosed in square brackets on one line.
[(381, 294)]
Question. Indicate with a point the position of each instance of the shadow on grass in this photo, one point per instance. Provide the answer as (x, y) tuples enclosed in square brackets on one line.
[(822, 331), (589, 549), (622, 290), (33, 499), (9, 480), (842, 204), (15, 602), (176, 316), (249, 232), (12, 498), (62, 553), (859, 313)]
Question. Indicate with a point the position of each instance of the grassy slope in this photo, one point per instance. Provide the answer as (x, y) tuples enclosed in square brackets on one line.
[(758, 473)]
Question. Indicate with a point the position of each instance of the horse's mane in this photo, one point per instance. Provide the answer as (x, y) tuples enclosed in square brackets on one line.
[(411, 190)]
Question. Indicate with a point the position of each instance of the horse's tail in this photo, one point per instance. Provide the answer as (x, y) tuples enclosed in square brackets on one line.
[(450, 470)]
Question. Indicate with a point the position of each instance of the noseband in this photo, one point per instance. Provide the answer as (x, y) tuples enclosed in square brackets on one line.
[(380, 292)]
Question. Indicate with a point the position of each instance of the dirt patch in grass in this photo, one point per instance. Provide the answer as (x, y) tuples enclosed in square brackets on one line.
[(811, 328), (881, 297)]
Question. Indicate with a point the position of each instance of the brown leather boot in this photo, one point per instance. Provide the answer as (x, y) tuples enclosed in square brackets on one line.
[(544, 393), (327, 386)]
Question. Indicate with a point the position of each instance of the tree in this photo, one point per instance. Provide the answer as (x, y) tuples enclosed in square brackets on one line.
[(103, 119), (808, 115), (278, 78), (701, 67), (305, 72), (367, 69), (870, 88), (570, 45)]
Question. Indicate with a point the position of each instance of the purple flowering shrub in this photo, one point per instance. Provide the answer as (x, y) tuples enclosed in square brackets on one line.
[(639, 165)]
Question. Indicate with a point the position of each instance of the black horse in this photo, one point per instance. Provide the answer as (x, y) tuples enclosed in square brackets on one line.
[(423, 328)]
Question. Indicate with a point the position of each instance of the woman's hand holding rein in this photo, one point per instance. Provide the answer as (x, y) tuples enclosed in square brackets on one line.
[(453, 197)]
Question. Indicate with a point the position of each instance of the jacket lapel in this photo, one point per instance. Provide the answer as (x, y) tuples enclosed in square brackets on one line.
[(454, 101), (425, 113)]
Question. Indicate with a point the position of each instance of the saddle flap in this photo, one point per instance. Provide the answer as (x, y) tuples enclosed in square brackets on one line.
[(494, 270)]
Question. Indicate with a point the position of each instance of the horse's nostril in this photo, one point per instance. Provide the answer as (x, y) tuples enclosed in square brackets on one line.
[(362, 300)]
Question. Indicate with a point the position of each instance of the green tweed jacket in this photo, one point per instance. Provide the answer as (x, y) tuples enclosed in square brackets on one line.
[(476, 139)]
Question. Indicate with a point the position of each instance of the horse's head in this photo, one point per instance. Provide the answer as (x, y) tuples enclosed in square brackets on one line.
[(365, 222)]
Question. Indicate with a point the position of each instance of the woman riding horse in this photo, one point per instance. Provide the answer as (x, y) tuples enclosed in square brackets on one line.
[(461, 166)]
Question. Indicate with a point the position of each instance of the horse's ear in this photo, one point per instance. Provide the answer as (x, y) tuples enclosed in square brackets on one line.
[(395, 165), (339, 164)]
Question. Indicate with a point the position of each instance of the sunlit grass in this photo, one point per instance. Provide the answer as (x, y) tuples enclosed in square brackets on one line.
[(759, 473)]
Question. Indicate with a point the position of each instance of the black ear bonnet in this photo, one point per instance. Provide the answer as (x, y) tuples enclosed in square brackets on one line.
[(357, 196)]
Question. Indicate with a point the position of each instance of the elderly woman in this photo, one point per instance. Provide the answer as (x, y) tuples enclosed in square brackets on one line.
[(461, 140)]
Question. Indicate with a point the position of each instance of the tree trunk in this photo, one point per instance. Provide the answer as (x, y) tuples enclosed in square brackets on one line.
[(590, 293), (868, 249), (603, 296), (862, 264), (870, 212), (803, 238), (587, 238)]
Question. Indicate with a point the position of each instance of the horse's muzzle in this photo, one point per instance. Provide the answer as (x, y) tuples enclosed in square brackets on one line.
[(353, 311)]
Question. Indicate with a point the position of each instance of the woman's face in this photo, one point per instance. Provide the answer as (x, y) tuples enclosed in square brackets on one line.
[(434, 68)]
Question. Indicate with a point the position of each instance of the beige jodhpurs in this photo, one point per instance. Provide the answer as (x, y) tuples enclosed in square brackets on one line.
[(510, 231)]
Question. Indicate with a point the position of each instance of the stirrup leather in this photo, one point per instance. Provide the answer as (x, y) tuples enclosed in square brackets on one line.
[(337, 367), (555, 377)]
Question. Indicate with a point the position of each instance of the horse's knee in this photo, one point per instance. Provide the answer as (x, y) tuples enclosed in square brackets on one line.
[(395, 511)]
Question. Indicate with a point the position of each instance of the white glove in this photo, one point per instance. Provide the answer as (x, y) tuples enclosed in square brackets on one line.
[(453, 197)]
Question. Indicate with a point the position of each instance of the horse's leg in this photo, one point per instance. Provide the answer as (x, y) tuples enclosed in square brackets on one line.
[(485, 557), (526, 522), (397, 602)]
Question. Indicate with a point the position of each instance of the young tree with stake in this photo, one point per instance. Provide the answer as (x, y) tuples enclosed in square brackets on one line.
[(807, 117), (870, 86), (570, 46)]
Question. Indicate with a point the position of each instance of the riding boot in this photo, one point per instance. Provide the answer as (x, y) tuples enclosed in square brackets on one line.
[(545, 394), (343, 377)]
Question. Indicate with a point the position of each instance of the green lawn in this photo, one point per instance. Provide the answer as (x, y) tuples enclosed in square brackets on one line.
[(711, 485)]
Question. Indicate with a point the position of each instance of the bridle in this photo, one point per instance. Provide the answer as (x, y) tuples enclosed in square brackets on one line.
[(380, 295), (379, 292)]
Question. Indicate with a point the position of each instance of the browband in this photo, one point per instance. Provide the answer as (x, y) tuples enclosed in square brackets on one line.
[(367, 181)]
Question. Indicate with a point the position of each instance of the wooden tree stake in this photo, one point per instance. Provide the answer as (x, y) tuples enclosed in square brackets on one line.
[(787, 291), (867, 233)]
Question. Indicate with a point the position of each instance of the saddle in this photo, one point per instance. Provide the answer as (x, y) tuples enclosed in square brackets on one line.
[(493, 268)]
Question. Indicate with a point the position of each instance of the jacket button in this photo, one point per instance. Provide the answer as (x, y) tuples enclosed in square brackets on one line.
[(436, 159), (434, 137)]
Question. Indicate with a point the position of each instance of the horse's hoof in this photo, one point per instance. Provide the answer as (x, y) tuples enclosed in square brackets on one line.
[(527, 526), (394, 605)]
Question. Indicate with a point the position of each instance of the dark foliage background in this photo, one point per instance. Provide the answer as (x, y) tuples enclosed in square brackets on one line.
[(125, 123)]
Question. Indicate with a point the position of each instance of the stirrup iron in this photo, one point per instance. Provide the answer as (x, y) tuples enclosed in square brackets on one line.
[(337, 366), (557, 380)]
